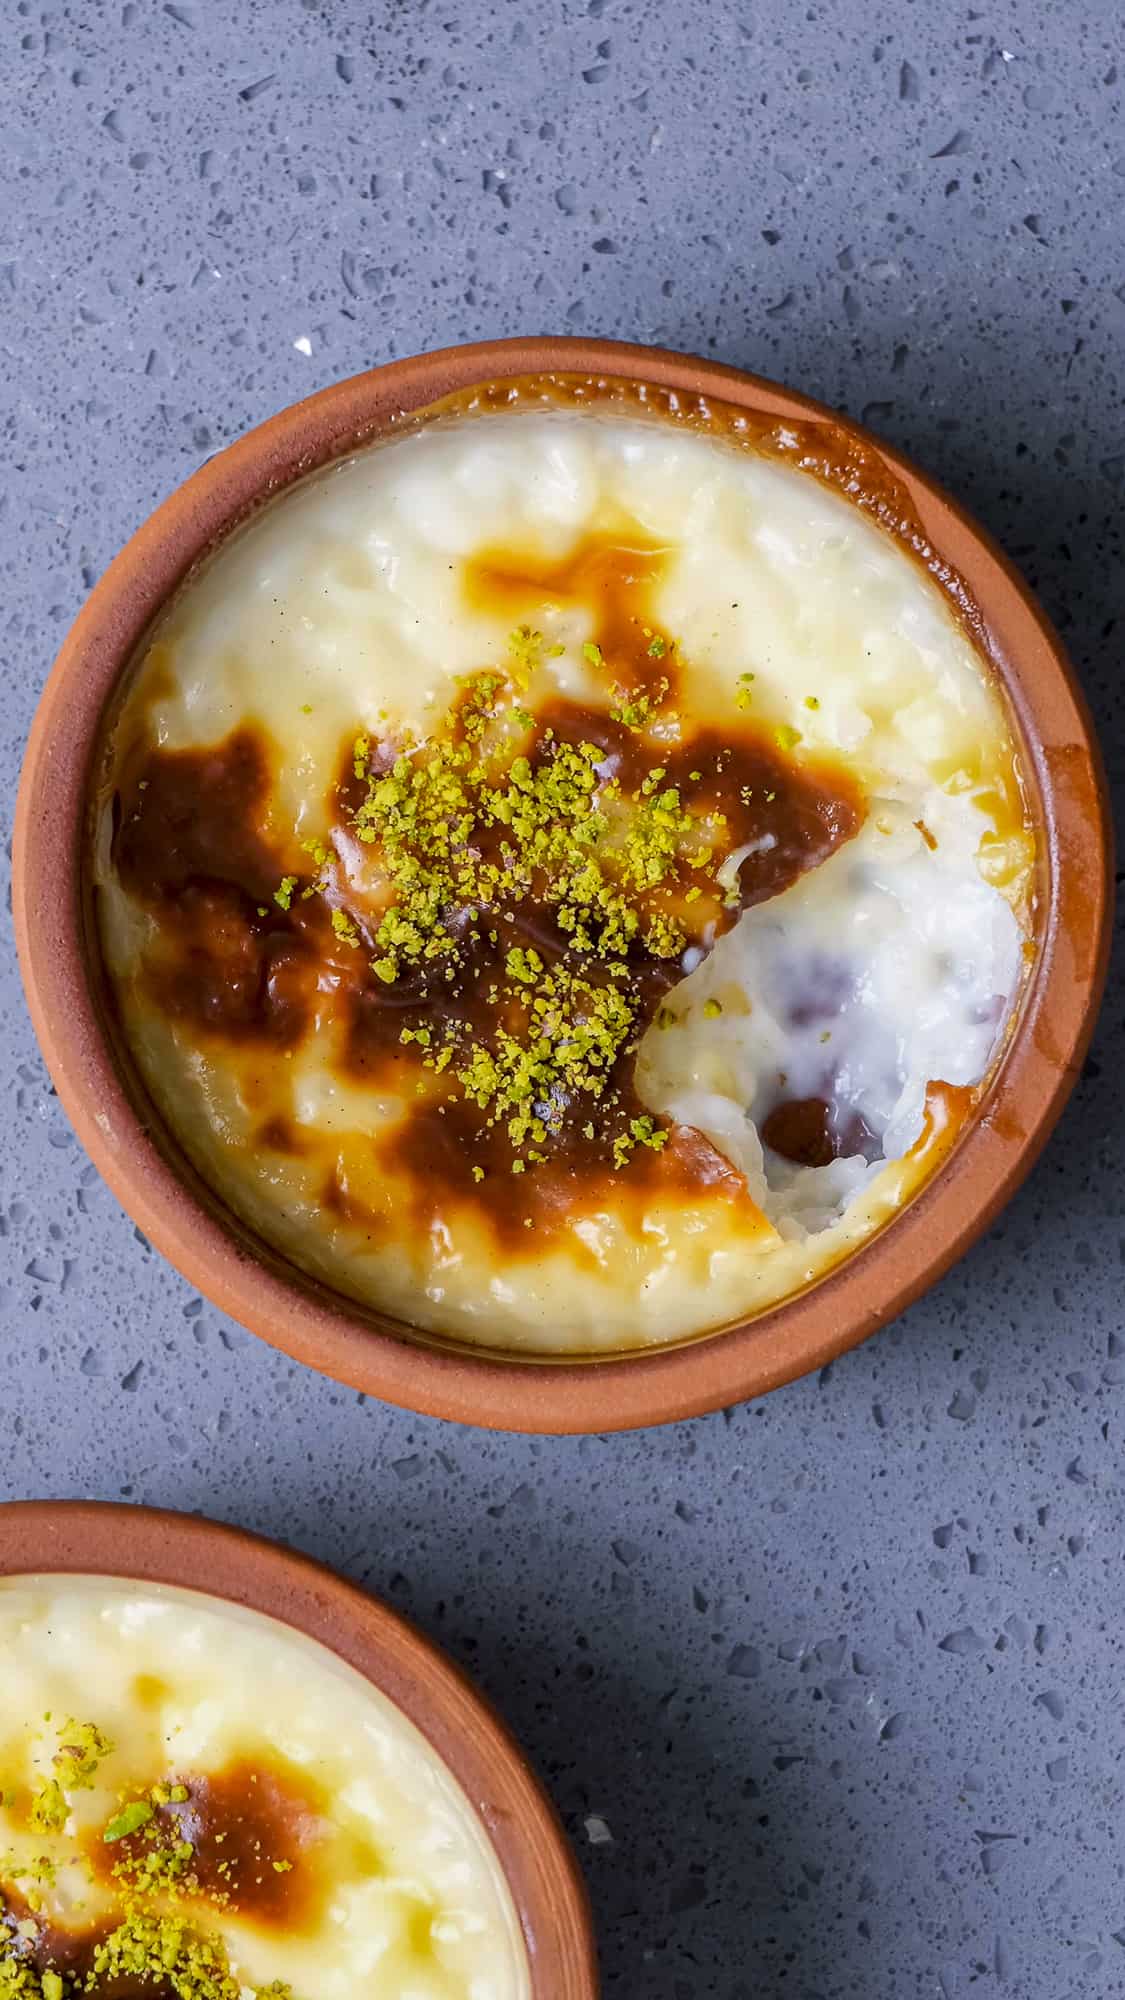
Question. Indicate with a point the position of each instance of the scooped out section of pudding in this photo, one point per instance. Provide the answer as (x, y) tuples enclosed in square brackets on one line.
[(563, 876), (843, 1022), (200, 1804)]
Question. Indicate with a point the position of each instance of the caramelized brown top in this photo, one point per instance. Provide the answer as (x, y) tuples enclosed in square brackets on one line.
[(261, 1836), (256, 1840), (190, 846), (831, 452), (33, 1941), (193, 844), (611, 574)]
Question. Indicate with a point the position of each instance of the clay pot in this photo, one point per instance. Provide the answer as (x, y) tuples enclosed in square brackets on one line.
[(242, 1276), (146, 1546)]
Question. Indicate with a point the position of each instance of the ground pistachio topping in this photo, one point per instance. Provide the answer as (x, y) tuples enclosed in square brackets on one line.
[(495, 814), (153, 1938), (82, 1750), (49, 1808), (163, 1949), (129, 1820)]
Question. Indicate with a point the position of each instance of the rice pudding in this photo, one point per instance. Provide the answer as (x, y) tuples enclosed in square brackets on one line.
[(199, 1803), (563, 872)]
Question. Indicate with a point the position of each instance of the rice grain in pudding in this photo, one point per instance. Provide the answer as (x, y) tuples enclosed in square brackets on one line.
[(198, 1803), (564, 872)]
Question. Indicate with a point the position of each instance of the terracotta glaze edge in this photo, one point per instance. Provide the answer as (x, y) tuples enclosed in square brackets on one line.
[(996, 1150)]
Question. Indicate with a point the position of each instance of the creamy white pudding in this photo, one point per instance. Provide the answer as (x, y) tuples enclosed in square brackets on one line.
[(564, 872), (198, 1803)]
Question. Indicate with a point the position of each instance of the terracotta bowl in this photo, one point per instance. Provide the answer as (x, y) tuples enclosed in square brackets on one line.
[(144, 1545), (123, 1136)]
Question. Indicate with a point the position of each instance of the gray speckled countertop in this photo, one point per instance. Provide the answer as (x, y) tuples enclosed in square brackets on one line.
[(827, 1688)]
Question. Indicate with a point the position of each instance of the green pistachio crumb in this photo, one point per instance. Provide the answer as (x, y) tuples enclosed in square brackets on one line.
[(82, 1748), (462, 832), (524, 651), (49, 1809), (129, 1820), (641, 1132), (525, 966), (637, 710)]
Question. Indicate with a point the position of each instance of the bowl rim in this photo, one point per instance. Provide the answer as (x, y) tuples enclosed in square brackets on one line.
[(596, 1393), (156, 1546)]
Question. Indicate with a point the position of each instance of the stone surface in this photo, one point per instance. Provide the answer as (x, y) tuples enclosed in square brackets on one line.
[(828, 1689)]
